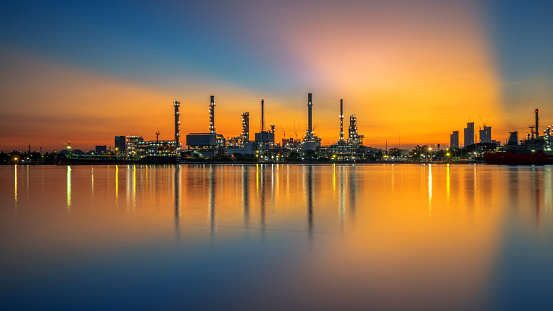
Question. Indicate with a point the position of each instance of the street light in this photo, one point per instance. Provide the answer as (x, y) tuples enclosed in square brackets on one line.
[(430, 149)]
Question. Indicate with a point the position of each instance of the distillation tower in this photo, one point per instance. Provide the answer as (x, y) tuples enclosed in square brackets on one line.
[(245, 127), (212, 116), (176, 103)]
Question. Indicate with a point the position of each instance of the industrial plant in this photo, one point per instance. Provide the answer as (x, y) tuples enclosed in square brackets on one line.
[(212, 145)]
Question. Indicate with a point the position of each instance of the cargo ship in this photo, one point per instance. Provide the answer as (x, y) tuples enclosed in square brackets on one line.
[(535, 150)]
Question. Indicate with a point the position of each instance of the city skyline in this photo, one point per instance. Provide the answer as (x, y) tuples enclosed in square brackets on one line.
[(412, 72)]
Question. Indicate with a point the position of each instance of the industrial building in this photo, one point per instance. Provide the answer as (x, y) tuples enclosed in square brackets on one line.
[(207, 144), (310, 141), (264, 139)]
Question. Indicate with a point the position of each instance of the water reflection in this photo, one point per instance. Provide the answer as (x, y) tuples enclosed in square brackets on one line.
[(310, 190), (430, 187), (177, 178), (547, 191), (246, 194), (92, 181), (68, 188), (353, 182), (448, 181), (536, 186), (393, 250), (117, 186), (342, 205), (211, 204), (15, 186)]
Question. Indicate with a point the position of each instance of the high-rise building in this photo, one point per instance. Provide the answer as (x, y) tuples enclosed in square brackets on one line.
[(486, 134), (469, 134), (120, 144), (454, 140)]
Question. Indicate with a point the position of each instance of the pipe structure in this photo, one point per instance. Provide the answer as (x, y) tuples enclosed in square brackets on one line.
[(176, 103), (341, 120), (212, 116), (537, 123)]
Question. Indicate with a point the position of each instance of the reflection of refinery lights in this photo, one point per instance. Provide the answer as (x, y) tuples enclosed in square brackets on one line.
[(15, 186), (92, 181), (430, 186), (134, 186), (547, 195), (68, 187), (447, 182), (116, 186), (257, 179), (334, 178)]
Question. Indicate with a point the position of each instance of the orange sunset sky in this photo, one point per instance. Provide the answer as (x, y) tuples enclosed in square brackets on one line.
[(411, 71)]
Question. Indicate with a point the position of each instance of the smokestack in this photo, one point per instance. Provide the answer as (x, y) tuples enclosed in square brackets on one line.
[(176, 103), (212, 116), (341, 120), (262, 115), (310, 113), (537, 123)]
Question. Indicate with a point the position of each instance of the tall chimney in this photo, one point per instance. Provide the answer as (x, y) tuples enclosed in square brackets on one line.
[(537, 123), (212, 116), (310, 113), (176, 103), (262, 115), (341, 120)]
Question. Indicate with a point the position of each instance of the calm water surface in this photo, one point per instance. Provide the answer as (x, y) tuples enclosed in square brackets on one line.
[(287, 237)]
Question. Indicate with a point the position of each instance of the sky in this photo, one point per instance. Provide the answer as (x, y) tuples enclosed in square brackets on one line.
[(411, 71)]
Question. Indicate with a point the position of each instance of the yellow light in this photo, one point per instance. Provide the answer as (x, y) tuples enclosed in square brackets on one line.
[(447, 154), (430, 148)]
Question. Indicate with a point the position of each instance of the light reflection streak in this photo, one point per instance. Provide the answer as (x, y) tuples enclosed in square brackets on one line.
[(68, 188), (287, 181), (334, 178), (262, 200), (134, 187), (342, 209), (547, 194), (128, 186), (257, 180), (176, 182), (28, 179), (92, 181), (246, 194), (310, 201), (211, 202), (447, 182), (117, 186), (352, 191), (430, 187), (15, 187)]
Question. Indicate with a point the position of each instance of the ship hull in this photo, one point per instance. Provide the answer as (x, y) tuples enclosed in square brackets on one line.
[(511, 158)]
